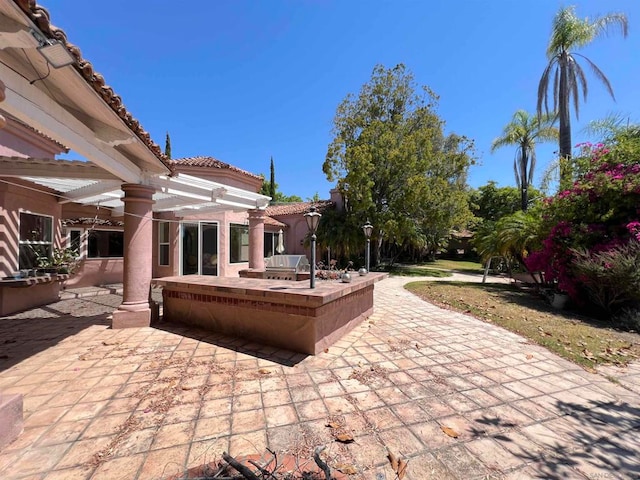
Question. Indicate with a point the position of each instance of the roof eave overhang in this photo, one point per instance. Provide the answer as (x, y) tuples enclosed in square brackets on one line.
[(40, 110)]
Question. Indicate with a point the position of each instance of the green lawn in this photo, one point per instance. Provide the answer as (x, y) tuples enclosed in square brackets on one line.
[(456, 265), (439, 268), (417, 271), (585, 341)]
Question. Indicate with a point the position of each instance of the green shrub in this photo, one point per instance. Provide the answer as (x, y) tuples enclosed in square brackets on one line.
[(611, 278)]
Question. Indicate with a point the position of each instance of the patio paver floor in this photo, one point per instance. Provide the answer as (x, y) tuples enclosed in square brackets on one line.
[(149, 403)]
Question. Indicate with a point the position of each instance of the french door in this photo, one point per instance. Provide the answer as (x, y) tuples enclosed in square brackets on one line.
[(199, 248)]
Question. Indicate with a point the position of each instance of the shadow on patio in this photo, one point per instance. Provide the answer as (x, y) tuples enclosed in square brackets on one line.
[(28, 333), (597, 436), (282, 357)]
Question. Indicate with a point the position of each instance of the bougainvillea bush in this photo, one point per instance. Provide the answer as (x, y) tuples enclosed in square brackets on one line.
[(592, 230)]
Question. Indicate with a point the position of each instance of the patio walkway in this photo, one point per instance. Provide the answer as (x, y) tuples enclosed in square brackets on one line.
[(148, 403)]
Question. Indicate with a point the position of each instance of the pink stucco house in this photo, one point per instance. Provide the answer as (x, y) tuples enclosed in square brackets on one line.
[(130, 212)]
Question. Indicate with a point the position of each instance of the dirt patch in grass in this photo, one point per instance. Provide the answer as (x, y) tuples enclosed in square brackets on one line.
[(587, 342)]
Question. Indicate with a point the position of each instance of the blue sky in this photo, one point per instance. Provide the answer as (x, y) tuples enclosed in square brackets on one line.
[(246, 80)]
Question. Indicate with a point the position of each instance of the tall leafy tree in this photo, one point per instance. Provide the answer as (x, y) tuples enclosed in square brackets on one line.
[(523, 131), (272, 182), (395, 166), (564, 75), (167, 146), (490, 203)]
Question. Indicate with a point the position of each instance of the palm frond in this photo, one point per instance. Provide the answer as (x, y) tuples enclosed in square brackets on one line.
[(543, 87), (603, 25), (532, 167), (582, 79), (572, 86), (606, 128), (516, 171), (600, 75)]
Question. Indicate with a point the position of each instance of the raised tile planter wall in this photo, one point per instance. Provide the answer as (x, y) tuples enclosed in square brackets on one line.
[(11, 420), (283, 314)]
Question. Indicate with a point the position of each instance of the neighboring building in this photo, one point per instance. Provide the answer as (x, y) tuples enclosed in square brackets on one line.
[(292, 215)]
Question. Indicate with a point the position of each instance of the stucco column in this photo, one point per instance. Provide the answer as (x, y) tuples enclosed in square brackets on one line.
[(256, 239), (138, 245)]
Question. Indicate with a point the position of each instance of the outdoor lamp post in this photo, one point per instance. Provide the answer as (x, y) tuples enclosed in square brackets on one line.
[(367, 228), (313, 219)]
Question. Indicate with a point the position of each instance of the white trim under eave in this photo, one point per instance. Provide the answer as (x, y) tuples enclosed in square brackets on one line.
[(32, 106)]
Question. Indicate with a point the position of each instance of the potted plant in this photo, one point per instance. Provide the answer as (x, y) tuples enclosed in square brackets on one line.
[(61, 260)]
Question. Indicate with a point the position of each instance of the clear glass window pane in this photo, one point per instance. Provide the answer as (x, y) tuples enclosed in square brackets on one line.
[(105, 244), (164, 255), (35, 228), (163, 232), (238, 243)]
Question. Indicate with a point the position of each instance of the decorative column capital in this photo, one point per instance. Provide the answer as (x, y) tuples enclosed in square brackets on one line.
[(137, 192), (257, 214)]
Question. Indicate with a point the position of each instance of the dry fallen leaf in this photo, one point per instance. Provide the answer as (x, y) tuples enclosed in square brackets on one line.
[(346, 469), (529, 356), (402, 469), (334, 425), (264, 371), (449, 431), (392, 460), (344, 438), (399, 466), (587, 354)]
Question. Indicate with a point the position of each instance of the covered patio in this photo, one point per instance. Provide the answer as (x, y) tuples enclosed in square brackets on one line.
[(123, 170)]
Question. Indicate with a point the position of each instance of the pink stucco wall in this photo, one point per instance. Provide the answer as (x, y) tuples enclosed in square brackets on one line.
[(296, 233), (14, 199), (93, 271), (16, 140), (96, 271), (224, 176)]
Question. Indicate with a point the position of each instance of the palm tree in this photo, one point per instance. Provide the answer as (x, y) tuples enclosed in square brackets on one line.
[(567, 34), (523, 131)]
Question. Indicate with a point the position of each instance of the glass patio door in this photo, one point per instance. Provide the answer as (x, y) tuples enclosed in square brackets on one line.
[(189, 248), (199, 248), (208, 249)]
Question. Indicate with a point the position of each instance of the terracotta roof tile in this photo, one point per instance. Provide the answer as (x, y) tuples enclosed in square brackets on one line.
[(40, 16), (274, 223), (297, 208), (209, 162)]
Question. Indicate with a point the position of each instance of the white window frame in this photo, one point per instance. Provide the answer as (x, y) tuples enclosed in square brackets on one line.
[(199, 223), (82, 251), (244, 225), (167, 244), (26, 242)]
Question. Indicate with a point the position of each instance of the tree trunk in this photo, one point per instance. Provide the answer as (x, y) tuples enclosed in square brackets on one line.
[(565, 124), (524, 182)]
